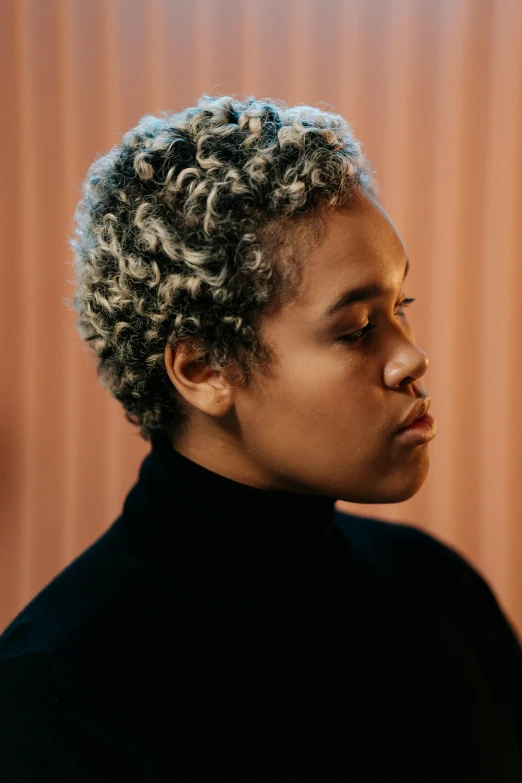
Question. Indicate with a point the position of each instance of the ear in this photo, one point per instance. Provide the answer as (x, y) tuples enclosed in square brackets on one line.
[(210, 391)]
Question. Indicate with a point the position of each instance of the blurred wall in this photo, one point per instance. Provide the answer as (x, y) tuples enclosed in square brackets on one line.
[(434, 91)]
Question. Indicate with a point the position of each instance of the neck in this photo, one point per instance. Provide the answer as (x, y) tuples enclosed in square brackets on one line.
[(211, 528)]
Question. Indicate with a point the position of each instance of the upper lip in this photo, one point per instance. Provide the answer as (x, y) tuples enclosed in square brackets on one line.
[(417, 412)]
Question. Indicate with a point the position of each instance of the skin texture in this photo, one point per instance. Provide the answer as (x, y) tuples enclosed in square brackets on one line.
[(324, 422)]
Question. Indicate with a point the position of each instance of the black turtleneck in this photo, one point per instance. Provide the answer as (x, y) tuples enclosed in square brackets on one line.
[(217, 631)]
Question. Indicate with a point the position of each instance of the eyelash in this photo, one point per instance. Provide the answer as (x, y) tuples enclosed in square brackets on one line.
[(351, 338)]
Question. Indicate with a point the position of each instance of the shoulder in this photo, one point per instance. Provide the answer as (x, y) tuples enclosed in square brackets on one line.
[(402, 549), (59, 718), (413, 554), (85, 588), (417, 562), (52, 728), (58, 653)]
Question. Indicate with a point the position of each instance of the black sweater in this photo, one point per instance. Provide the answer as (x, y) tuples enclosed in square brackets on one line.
[(217, 631)]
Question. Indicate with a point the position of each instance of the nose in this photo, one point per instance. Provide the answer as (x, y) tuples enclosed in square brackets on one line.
[(407, 367)]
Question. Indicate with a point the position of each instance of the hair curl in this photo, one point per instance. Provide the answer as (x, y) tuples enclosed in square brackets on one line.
[(191, 229)]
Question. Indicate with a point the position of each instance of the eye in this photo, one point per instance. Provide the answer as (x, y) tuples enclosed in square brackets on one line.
[(356, 337), (405, 303)]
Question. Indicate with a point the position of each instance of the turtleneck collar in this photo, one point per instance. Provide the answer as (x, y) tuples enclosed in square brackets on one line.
[(226, 533)]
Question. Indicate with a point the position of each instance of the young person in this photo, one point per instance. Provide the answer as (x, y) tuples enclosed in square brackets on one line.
[(243, 291)]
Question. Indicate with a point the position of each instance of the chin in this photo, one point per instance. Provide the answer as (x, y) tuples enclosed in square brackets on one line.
[(399, 487), (416, 479)]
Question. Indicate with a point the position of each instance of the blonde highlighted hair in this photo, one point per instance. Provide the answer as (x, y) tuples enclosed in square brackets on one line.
[(191, 229)]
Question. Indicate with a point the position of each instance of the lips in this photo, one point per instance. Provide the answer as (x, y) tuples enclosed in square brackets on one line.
[(417, 412), (419, 433)]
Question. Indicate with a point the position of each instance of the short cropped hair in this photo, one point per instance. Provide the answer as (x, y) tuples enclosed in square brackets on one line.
[(192, 229)]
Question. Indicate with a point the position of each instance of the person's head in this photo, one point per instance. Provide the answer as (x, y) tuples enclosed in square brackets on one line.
[(209, 246)]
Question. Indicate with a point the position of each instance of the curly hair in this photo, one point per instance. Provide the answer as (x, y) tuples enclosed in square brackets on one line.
[(192, 229)]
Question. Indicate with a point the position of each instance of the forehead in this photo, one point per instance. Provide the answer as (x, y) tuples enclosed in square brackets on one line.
[(361, 228), (359, 245)]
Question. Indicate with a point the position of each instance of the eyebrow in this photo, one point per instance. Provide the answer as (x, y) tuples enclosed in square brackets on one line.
[(360, 294)]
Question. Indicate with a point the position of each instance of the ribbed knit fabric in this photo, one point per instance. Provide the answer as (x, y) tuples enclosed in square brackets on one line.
[(217, 631)]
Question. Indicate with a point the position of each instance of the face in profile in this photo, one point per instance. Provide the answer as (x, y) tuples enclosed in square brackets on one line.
[(344, 378)]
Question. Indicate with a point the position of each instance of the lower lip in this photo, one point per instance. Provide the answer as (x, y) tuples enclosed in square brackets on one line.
[(421, 431)]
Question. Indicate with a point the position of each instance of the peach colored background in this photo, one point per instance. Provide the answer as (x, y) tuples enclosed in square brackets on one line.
[(434, 91)]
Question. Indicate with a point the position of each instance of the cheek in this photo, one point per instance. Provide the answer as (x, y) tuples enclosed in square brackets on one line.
[(328, 396), (322, 389)]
